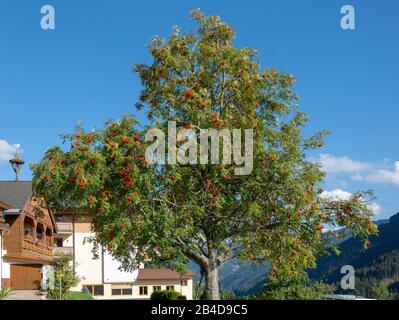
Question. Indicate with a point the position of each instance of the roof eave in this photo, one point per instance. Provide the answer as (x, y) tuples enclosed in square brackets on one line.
[(13, 211)]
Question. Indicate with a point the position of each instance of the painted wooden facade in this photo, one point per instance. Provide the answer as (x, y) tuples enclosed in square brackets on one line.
[(30, 237)]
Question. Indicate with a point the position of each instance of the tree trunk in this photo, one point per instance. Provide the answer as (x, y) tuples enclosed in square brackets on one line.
[(212, 279)]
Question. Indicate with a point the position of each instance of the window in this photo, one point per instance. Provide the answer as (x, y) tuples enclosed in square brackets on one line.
[(184, 282), (116, 292), (98, 290), (39, 231), (156, 288), (127, 292), (172, 288), (59, 243), (122, 290), (143, 291), (29, 226), (94, 290)]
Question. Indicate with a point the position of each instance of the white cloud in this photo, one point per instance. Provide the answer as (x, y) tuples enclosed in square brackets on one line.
[(375, 208), (332, 164), (336, 194), (383, 176), (7, 151), (338, 168), (339, 194)]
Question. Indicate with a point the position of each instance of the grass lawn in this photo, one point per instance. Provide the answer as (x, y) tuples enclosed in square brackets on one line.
[(78, 296)]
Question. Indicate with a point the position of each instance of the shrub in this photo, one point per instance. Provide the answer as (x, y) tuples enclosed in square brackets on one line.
[(165, 295), (64, 277), (4, 292)]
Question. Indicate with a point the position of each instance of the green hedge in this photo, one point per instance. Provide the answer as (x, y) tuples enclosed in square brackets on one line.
[(165, 295)]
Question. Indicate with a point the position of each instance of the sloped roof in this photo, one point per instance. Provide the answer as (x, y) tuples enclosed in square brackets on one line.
[(158, 274), (15, 193), (4, 206)]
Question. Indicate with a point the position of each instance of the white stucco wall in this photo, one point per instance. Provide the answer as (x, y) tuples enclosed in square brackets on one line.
[(68, 242), (5, 270), (112, 274), (105, 269), (4, 265), (87, 268)]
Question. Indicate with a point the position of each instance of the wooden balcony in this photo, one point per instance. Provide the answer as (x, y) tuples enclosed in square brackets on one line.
[(63, 251), (37, 247)]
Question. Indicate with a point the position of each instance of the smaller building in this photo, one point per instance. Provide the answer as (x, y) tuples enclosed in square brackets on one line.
[(151, 279)]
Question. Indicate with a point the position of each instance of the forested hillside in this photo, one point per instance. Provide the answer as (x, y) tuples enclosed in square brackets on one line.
[(376, 265)]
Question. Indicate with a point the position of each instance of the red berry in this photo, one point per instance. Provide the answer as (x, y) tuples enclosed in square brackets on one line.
[(188, 94), (136, 137)]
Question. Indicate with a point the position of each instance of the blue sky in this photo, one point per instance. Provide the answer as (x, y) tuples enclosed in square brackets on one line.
[(347, 79)]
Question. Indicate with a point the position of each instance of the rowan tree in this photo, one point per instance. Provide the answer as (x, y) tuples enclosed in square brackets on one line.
[(204, 213)]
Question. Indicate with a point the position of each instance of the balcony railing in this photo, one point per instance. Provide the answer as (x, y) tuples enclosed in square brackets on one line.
[(37, 247), (63, 251), (64, 227)]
